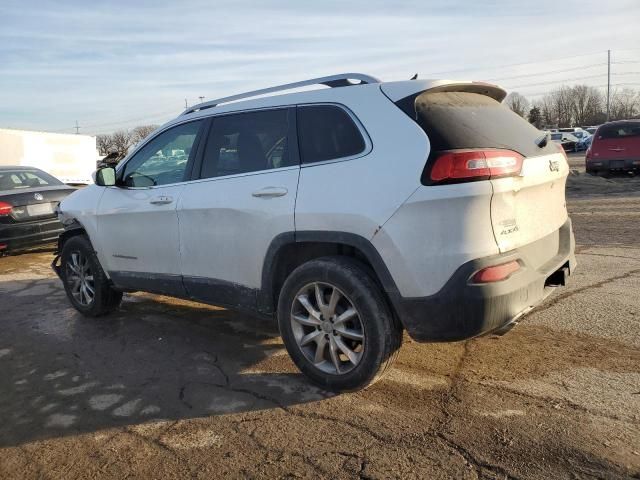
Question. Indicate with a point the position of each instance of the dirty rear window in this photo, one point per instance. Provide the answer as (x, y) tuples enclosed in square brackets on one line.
[(459, 120)]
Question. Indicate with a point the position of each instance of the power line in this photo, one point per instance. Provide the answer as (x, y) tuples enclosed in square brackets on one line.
[(582, 67), (548, 60), (604, 85), (557, 81)]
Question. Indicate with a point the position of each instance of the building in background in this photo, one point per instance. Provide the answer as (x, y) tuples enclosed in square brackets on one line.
[(70, 158)]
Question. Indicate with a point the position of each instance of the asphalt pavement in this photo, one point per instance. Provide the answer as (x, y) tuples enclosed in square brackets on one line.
[(165, 388)]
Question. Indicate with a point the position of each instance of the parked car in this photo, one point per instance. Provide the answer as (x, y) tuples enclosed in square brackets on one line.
[(418, 205), (584, 139), (570, 129), (568, 142), (28, 198), (615, 147)]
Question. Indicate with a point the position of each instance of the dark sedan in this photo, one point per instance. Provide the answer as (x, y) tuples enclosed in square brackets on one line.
[(569, 142), (28, 198)]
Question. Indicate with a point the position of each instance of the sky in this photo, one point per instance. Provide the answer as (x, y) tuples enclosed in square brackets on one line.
[(118, 64)]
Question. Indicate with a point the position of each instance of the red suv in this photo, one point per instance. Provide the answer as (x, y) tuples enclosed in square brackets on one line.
[(615, 147)]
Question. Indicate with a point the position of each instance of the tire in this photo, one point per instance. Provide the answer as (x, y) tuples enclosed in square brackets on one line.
[(78, 255), (592, 172), (326, 361)]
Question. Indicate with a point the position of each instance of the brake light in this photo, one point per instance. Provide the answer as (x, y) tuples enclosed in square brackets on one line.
[(5, 209), (461, 165), (496, 272)]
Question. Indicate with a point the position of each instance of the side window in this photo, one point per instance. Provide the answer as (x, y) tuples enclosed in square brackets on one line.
[(164, 159), (327, 132), (247, 142)]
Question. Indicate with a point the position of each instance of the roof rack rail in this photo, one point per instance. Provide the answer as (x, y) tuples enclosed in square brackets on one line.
[(340, 80)]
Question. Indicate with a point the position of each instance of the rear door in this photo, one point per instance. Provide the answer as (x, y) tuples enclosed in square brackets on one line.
[(524, 207), (244, 199)]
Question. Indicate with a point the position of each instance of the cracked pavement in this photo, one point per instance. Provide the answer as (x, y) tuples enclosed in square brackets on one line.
[(169, 388)]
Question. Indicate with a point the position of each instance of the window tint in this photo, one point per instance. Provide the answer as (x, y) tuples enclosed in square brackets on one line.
[(623, 130), (16, 179), (164, 159), (247, 142), (327, 132)]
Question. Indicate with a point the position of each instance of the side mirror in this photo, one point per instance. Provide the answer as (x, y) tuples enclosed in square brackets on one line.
[(106, 177)]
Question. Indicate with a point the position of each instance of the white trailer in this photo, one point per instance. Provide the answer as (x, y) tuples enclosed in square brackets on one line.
[(70, 158)]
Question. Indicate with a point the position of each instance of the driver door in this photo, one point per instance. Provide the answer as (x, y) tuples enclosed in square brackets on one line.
[(137, 219)]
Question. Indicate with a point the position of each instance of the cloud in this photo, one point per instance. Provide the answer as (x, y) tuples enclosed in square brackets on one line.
[(105, 63)]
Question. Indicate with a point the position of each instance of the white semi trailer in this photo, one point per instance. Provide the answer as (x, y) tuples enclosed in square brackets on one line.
[(70, 158)]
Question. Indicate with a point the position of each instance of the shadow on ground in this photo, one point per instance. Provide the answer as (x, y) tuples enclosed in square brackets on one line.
[(156, 358)]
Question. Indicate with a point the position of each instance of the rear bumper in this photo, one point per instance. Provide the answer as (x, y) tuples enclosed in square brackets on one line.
[(462, 310), (23, 236), (626, 165)]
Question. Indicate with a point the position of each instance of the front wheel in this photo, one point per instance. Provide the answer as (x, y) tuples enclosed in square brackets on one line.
[(85, 282), (337, 325)]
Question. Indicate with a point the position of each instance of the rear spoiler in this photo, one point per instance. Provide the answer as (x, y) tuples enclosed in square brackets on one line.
[(396, 91)]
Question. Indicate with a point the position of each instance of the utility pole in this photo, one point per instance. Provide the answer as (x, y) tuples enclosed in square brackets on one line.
[(185, 103), (608, 82), (77, 127), (201, 99)]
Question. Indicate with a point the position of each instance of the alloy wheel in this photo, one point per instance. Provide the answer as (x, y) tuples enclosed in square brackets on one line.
[(327, 328), (80, 279)]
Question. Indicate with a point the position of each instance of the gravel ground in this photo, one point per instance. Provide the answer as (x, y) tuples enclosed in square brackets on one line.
[(168, 388)]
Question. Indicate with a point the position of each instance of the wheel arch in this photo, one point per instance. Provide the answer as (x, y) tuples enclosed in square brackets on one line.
[(71, 230), (291, 249)]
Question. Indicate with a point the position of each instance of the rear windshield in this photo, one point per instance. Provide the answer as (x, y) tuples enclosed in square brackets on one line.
[(620, 130), (18, 179), (457, 120)]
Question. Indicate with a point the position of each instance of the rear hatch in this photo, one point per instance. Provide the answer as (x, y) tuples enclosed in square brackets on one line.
[(476, 138), (617, 141)]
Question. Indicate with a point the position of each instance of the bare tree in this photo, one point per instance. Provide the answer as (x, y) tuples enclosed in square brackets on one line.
[(624, 104), (587, 105), (104, 144), (121, 141), (548, 113), (518, 103), (140, 133)]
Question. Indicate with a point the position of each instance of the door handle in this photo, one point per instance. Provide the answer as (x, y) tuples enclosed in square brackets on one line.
[(269, 192), (161, 200)]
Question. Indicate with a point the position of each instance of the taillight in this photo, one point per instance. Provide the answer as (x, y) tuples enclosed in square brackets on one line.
[(496, 272), (468, 165), (5, 209)]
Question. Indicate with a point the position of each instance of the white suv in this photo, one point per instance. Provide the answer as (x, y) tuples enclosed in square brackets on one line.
[(348, 213)]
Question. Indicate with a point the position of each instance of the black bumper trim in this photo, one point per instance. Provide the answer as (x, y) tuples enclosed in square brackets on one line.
[(461, 310)]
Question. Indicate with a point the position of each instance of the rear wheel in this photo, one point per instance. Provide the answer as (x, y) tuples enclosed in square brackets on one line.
[(85, 282), (337, 325)]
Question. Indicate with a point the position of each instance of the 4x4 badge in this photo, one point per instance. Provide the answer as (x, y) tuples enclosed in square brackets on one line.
[(554, 165)]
